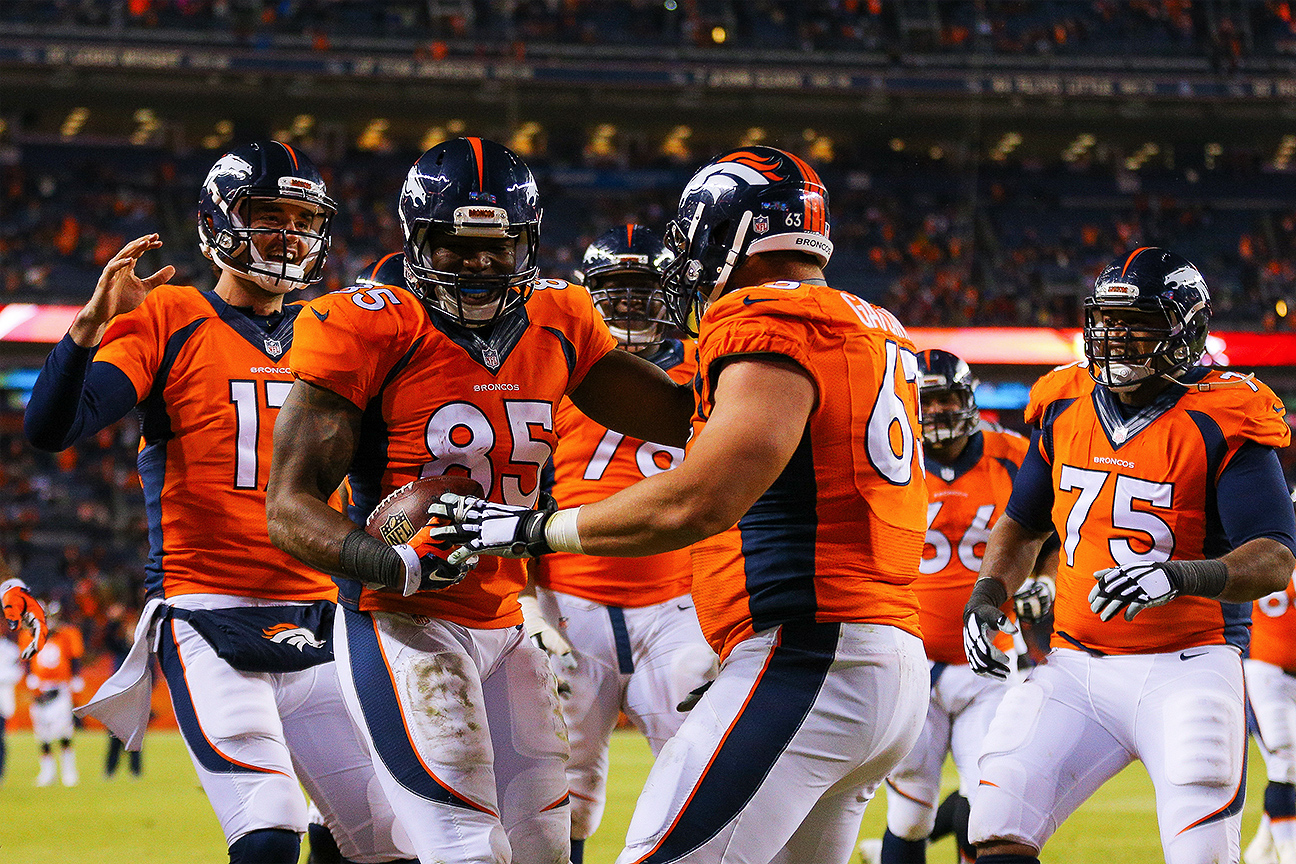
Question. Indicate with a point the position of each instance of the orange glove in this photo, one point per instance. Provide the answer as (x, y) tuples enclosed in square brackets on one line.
[(21, 607)]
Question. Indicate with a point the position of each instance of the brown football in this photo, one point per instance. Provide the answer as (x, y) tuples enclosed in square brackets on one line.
[(402, 513)]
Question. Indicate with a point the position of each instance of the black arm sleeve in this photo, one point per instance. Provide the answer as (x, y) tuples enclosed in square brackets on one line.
[(74, 397), (1031, 504), (1252, 498)]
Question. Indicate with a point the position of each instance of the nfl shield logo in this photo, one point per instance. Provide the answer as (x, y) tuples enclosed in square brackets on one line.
[(397, 529), (273, 348), (760, 224), (491, 357)]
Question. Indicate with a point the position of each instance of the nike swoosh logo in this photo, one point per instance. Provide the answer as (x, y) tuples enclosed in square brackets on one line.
[(682, 608), (320, 316), (747, 301), (1184, 655)]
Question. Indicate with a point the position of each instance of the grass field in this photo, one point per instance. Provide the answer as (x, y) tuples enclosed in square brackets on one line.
[(164, 817)]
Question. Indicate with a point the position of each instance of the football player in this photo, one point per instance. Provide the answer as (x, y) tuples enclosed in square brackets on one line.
[(242, 629), (458, 369), (1270, 672), (1160, 477), (803, 497), (629, 625), (970, 469), (21, 608), (53, 675)]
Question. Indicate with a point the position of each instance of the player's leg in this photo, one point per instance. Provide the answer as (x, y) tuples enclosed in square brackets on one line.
[(336, 767), (63, 727), (590, 707), (914, 787), (4, 745), (974, 700), (45, 730), (670, 658), (1191, 734), (1044, 754), (415, 694), (231, 727), (526, 733), (1273, 700), (794, 712)]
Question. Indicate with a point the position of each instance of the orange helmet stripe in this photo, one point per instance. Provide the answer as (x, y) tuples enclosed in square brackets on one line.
[(629, 235), (291, 154), (373, 271), (1132, 256), (481, 162)]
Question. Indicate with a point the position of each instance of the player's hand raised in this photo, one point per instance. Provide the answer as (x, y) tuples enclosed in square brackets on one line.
[(118, 291), (20, 607), (982, 621), (486, 528)]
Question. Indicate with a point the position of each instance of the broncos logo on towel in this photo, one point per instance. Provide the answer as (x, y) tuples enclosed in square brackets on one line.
[(291, 634)]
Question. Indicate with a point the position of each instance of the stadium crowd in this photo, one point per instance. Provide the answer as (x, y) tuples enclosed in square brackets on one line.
[(942, 245), (1000, 27)]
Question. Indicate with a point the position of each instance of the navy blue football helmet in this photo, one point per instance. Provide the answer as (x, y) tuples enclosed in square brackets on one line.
[(941, 372), (1147, 316), (622, 270), (387, 270), (265, 171), (744, 202), (470, 187)]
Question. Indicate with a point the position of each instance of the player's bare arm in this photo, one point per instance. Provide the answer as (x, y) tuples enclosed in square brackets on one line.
[(761, 407), (118, 290), (1012, 553), (315, 437), (632, 396), (1256, 568)]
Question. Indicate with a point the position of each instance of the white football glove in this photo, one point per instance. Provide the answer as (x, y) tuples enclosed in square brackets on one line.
[(1034, 599), (982, 619), (546, 637), (486, 528), (1132, 587)]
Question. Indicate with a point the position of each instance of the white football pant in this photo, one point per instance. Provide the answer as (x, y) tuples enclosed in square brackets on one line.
[(52, 720), (253, 735), (778, 760), (642, 661), (468, 738), (962, 706), (1079, 720), (1273, 699)]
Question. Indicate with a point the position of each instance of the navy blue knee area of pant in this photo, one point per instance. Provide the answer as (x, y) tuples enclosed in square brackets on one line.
[(1280, 800), (897, 850), (577, 851), (267, 846), (1007, 859)]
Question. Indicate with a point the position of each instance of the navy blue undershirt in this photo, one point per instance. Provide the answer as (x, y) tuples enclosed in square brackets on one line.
[(74, 397)]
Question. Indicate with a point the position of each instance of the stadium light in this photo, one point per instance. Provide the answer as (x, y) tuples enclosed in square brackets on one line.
[(374, 136), (147, 123), (753, 136), (1213, 151), (73, 122), (1281, 308), (224, 132), (897, 145), (523, 141), (676, 144), (718, 35), (1285, 149)]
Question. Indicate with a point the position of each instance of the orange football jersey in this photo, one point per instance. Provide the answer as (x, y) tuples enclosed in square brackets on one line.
[(592, 462), (966, 499), (52, 665), (441, 401), (839, 535), (209, 382), (1273, 629), (1139, 488)]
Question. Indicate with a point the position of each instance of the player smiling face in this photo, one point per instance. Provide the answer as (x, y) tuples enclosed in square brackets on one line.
[(473, 257), (282, 231)]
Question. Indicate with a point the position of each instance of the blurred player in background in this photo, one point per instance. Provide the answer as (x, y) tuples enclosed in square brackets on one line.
[(53, 675), (457, 369), (117, 642), (1162, 480), (803, 498), (1270, 671), (627, 625), (970, 470), (22, 609), (11, 672), (244, 641)]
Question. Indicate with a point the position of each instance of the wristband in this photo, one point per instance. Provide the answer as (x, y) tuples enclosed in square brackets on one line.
[(989, 591), (561, 534), (1200, 578), (369, 559)]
